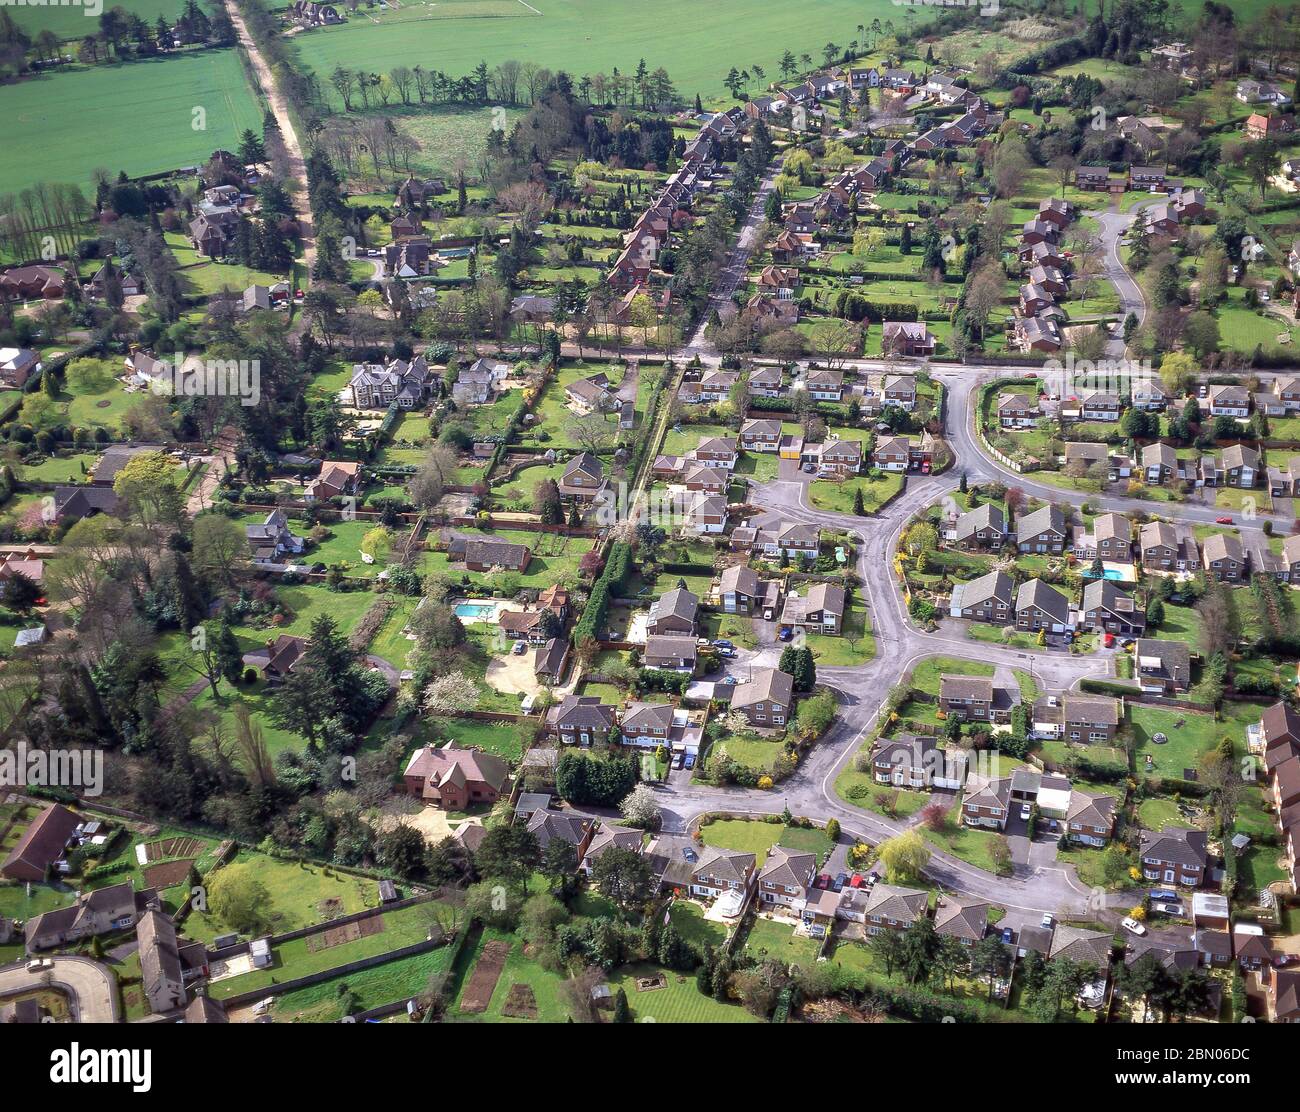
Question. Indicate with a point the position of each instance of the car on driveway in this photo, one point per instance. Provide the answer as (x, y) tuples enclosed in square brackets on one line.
[(723, 643), (1006, 936), (690, 760), (1132, 925), (520, 648), (1026, 811), (841, 880), (1046, 923), (785, 635)]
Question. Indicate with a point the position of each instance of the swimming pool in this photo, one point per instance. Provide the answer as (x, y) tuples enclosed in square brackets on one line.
[(1112, 574), (476, 611)]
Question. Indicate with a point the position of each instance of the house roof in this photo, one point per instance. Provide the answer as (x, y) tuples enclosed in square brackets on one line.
[(584, 711), (677, 603), (665, 645), (44, 840), (1091, 810), (828, 597), (966, 687), (738, 579), (1081, 945), (987, 515), (1049, 600), (452, 764), (888, 901), (765, 685), (1280, 723), (647, 716), (962, 918), (1091, 708), (1223, 546), (549, 826), (787, 868), (995, 793), (1176, 844), (1042, 520), (992, 585), (1103, 594), (724, 864), (1169, 658)]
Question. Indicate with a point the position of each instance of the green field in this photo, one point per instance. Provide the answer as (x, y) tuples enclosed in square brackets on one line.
[(78, 21), (586, 36), (136, 117)]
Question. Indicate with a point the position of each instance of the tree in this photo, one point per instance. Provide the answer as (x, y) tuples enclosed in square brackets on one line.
[(450, 693), (920, 944), (887, 948), (219, 547), (624, 876), (152, 497), (622, 1013), (401, 850), (641, 807), (239, 899), (20, 593), (904, 856), (508, 852)]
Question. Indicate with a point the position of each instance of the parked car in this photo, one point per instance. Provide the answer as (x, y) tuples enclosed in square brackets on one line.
[(785, 634), (729, 680), (1171, 908), (723, 643), (37, 964), (520, 647), (1046, 923), (1006, 936), (840, 881), (727, 654), (690, 760), (1132, 925), (822, 881), (1223, 521), (1026, 811)]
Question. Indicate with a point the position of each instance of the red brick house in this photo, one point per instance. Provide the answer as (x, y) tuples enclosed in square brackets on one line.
[(453, 778)]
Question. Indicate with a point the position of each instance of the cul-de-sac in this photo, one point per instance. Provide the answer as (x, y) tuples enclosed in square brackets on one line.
[(696, 511)]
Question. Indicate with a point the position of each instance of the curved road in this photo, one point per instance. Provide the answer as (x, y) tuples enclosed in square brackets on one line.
[(90, 986)]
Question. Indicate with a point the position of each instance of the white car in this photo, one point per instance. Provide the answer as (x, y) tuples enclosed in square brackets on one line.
[(1132, 925), (37, 965), (1046, 924), (1026, 811)]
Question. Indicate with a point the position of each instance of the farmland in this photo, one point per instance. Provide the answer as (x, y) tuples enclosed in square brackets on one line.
[(137, 117), (582, 36)]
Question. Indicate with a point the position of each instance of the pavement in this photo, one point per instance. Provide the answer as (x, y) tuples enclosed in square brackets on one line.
[(89, 985)]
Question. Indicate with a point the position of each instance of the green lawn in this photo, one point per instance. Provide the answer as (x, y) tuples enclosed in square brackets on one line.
[(758, 837), (839, 497), (381, 984), (138, 117), (679, 1001), (1190, 735), (297, 890), (689, 920)]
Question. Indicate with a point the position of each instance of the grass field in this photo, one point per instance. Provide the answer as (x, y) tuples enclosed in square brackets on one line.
[(78, 21), (587, 36), (138, 117)]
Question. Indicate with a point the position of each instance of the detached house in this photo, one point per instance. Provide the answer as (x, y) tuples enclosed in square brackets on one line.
[(889, 907), (1224, 557), (965, 920), (766, 699), (454, 778), (719, 871), (671, 653), (988, 805), (1042, 531), (760, 436), (907, 338), (1163, 667), (583, 479), (1041, 607), (674, 611), (583, 720), (973, 698), (1176, 855), (1017, 411), (784, 877), (982, 529), (986, 599), (820, 611), (1091, 818), (1229, 401), (1107, 608), (1168, 547)]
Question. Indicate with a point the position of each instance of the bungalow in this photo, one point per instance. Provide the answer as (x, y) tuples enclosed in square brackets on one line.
[(765, 699), (487, 555), (1082, 946), (672, 612), (1163, 667), (986, 599), (42, 845), (1175, 855), (1042, 608), (671, 653)]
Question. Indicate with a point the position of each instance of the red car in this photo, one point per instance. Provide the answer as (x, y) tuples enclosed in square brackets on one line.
[(1223, 521)]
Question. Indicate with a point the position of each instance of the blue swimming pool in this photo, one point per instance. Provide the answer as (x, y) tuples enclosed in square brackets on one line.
[(475, 611), (1107, 573)]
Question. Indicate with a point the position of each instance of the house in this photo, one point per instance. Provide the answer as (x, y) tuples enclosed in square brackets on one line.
[(1017, 411), (1227, 400), (454, 778), (1160, 463), (1090, 818), (824, 385), (982, 529), (1092, 178), (973, 698), (1149, 394), (1175, 855), (609, 836), (117, 907), (1110, 609), (1146, 177), (1240, 466), (673, 653), (719, 871), (401, 383), (273, 538), (1038, 231), (820, 611), (1043, 530), (1080, 945), (1038, 334), (699, 479), (1163, 667), (706, 514), (41, 846), (673, 612), (17, 365), (784, 877), (583, 719), (987, 805), (835, 459), (789, 542), (560, 826), (583, 478), (1250, 947), (591, 394), (890, 907), (893, 453), (986, 599), (72, 503), (766, 382), (27, 564), (765, 699), (477, 384), (1034, 299), (1096, 405), (336, 479), (911, 339), (1282, 992), (1113, 538), (906, 761), (410, 257), (1040, 607), (487, 555), (1168, 547), (965, 920), (760, 435), (1268, 125), (161, 970), (1161, 220), (738, 588), (713, 386), (26, 283), (1089, 718), (549, 660), (1053, 210), (717, 451), (1224, 557), (780, 280)]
